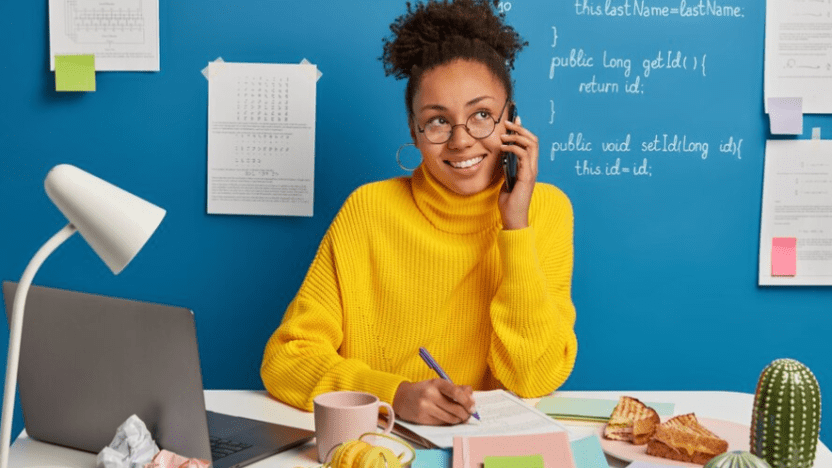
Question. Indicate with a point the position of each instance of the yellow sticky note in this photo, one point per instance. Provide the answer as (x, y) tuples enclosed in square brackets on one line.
[(75, 72)]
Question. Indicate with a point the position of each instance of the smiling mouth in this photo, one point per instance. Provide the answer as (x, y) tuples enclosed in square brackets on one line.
[(465, 164)]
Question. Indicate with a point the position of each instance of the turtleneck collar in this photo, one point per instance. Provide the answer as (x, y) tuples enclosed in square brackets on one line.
[(454, 213)]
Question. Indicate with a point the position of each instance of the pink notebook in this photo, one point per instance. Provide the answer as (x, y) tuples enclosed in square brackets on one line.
[(469, 452)]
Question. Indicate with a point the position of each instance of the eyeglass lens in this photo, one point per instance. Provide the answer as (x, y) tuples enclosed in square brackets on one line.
[(480, 124)]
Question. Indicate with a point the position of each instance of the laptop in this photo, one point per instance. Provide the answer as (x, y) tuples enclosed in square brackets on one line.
[(88, 362)]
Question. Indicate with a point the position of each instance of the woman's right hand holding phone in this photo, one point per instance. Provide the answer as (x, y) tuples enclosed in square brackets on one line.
[(514, 205)]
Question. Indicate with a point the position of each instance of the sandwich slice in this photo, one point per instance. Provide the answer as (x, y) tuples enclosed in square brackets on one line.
[(683, 438), (631, 421)]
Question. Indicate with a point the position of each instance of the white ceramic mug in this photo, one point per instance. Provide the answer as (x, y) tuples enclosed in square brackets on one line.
[(343, 416)]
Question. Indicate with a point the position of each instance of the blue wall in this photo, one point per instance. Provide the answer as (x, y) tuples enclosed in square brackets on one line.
[(665, 279)]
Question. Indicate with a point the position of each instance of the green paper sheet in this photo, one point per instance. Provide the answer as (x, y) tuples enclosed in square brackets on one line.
[(526, 461), (75, 73), (589, 409)]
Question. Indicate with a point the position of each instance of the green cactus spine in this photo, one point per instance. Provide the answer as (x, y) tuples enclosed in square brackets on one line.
[(786, 419)]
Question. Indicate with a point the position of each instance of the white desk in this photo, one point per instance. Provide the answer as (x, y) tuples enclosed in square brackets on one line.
[(736, 407)]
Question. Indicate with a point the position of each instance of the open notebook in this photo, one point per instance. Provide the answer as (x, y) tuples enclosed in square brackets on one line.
[(501, 413)]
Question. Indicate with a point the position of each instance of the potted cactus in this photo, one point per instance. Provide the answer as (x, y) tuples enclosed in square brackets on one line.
[(786, 418)]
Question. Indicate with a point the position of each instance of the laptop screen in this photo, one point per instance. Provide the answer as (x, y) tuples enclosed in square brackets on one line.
[(88, 362)]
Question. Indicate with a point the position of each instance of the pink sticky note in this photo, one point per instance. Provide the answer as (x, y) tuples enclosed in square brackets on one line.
[(783, 256)]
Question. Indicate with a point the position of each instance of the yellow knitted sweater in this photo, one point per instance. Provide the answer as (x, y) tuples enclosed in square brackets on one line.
[(407, 263)]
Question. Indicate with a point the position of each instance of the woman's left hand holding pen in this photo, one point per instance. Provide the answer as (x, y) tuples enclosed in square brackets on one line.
[(434, 402)]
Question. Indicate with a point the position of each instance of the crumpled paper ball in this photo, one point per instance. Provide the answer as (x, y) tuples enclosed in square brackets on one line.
[(132, 446)]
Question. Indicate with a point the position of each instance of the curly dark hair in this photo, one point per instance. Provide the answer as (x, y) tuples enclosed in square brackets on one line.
[(439, 32)]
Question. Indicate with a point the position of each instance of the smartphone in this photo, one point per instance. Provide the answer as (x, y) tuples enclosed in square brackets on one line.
[(510, 159)]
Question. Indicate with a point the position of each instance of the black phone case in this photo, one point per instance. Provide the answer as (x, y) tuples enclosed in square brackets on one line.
[(510, 159)]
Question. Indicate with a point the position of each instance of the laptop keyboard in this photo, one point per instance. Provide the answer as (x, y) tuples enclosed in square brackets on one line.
[(224, 447)]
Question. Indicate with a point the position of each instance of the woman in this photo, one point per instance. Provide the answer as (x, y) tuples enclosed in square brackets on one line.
[(446, 259)]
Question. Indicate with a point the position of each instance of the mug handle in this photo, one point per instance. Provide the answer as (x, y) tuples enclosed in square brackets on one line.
[(391, 417)]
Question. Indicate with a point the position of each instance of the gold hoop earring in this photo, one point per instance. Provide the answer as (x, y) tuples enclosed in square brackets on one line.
[(399, 161)]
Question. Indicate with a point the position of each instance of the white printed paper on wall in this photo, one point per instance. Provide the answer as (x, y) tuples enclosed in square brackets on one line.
[(797, 209), (122, 34), (261, 138), (798, 58)]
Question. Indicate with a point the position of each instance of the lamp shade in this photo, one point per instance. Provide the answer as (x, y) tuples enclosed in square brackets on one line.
[(114, 222)]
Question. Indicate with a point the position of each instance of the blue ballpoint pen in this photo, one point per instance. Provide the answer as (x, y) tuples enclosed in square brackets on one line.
[(425, 355)]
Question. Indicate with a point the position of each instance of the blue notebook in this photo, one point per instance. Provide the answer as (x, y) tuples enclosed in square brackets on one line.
[(588, 453), (433, 458)]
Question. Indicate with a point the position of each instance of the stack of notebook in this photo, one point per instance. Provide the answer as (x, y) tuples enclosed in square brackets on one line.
[(507, 453)]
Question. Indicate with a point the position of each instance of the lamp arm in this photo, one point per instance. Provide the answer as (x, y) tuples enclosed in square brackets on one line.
[(15, 332)]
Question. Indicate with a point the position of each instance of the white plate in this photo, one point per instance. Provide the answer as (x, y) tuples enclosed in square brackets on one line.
[(737, 435)]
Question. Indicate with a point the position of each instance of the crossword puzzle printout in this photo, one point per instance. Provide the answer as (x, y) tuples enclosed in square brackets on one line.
[(122, 34), (261, 138)]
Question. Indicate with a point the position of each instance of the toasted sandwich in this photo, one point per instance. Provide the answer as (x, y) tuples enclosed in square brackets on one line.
[(631, 421), (684, 439)]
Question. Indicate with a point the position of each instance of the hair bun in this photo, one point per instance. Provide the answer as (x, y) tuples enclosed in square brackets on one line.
[(420, 35)]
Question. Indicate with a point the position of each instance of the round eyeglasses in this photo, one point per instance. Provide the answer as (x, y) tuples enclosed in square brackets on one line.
[(479, 125)]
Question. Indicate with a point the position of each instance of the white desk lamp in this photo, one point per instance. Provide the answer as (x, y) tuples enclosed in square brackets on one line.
[(115, 223)]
